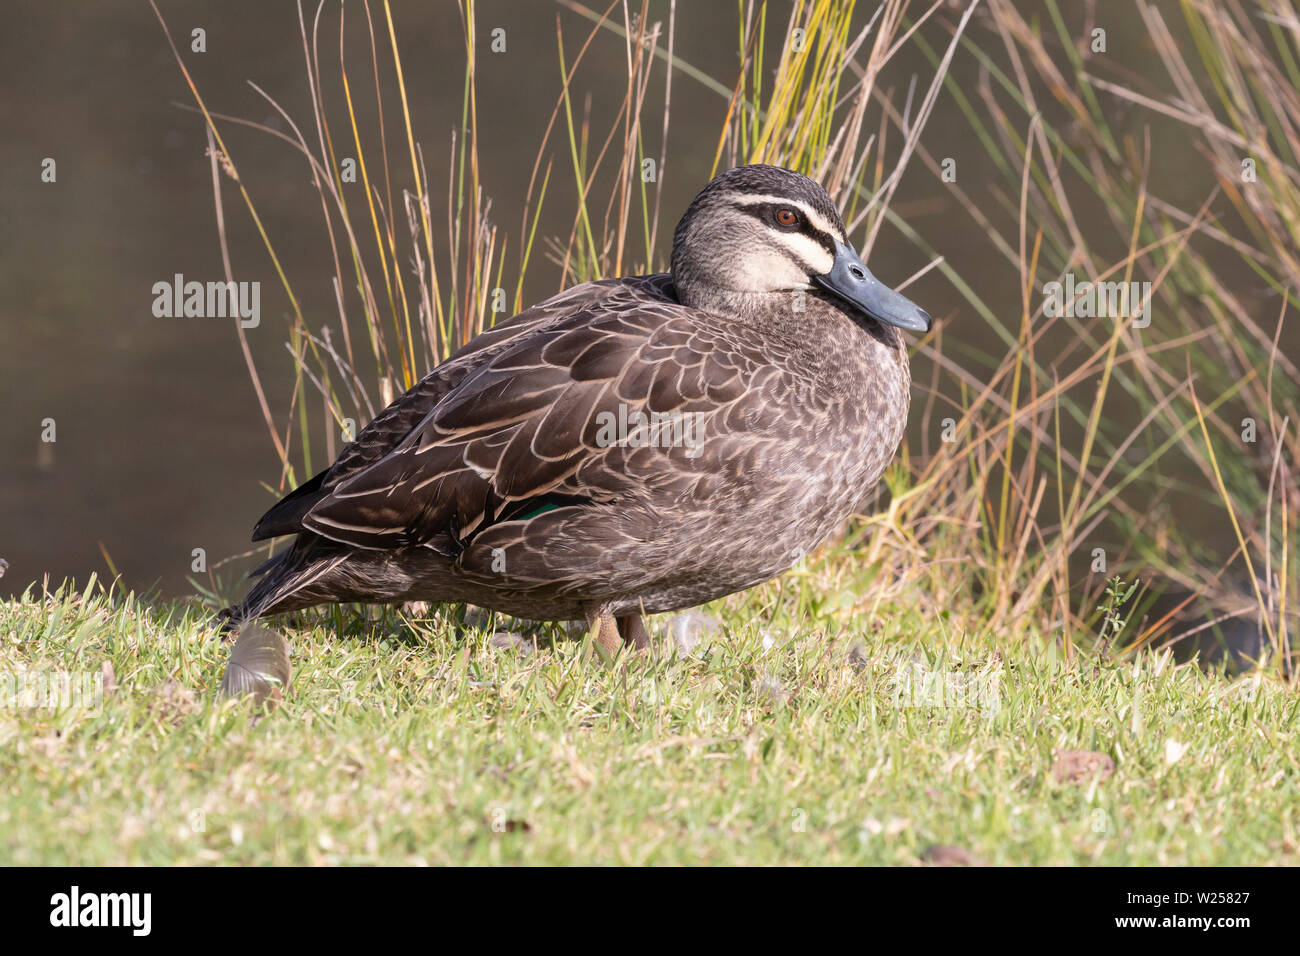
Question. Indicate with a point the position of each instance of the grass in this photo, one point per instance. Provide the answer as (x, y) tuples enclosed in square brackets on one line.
[(811, 728), (1070, 436), (419, 741)]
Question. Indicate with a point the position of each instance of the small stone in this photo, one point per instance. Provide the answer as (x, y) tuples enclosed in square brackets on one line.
[(940, 855), (173, 700), (1078, 766)]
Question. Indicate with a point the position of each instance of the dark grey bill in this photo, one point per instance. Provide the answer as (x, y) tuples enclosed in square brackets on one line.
[(852, 281)]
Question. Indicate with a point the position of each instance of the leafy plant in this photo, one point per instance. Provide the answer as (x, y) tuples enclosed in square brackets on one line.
[(1069, 435)]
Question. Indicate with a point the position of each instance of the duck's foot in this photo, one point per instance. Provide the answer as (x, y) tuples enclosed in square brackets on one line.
[(602, 622), (632, 629), (611, 632)]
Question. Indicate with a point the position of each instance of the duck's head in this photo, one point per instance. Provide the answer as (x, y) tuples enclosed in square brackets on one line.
[(762, 231)]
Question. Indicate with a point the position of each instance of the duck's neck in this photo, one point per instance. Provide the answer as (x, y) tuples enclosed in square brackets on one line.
[(811, 320)]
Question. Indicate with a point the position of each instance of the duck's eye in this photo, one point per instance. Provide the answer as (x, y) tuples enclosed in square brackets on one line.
[(787, 217)]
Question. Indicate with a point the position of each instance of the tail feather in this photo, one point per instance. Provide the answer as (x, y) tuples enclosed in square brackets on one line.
[(285, 516), (282, 587)]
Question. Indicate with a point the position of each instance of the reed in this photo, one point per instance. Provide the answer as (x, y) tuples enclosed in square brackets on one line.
[(1070, 435)]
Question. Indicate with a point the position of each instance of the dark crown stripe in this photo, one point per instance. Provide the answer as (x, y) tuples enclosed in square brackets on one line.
[(764, 212)]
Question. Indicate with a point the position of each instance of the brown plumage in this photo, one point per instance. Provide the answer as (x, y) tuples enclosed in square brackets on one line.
[(628, 446)]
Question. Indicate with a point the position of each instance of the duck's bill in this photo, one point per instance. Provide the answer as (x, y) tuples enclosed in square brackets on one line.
[(852, 281)]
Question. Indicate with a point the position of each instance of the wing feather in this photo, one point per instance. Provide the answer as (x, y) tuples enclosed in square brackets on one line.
[(514, 431)]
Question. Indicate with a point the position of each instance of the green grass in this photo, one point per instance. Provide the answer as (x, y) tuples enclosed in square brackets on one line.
[(785, 739), (418, 741)]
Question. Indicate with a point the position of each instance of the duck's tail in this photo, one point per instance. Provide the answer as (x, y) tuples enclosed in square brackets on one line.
[(286, 584)]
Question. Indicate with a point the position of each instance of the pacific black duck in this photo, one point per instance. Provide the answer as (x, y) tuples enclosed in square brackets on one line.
[(629, 446)]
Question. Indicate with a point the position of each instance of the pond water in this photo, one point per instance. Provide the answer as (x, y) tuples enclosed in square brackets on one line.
[(160, 447)]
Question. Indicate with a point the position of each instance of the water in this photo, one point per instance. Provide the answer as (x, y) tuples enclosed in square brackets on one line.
[(160, 446)]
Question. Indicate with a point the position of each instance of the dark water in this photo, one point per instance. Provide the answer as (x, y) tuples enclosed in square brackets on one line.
[(160, 444)]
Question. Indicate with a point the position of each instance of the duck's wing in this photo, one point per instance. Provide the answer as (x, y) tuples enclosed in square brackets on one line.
[(387, 429), (551, 421)]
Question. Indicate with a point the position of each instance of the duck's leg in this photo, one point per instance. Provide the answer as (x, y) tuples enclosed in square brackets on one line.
[(607, 637), (632, 629)]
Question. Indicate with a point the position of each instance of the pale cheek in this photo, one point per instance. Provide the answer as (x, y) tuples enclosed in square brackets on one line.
[(770, 272), (803, 249), (822, 261)]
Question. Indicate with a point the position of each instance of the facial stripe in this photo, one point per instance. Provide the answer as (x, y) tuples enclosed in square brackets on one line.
[(813, 256), (811, 215), (766, 214)]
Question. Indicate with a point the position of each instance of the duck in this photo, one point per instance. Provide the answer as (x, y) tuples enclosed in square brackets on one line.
[(630, 446)]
